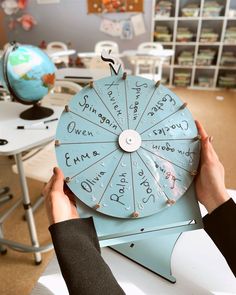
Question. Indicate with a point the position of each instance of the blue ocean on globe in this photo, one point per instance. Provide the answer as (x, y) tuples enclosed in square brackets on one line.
[(31, 73)]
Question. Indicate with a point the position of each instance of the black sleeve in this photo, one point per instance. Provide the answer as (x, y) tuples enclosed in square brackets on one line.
[(221, 227), (78, 253)]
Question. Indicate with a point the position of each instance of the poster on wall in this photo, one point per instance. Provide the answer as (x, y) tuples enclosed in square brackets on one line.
[(114, 6)]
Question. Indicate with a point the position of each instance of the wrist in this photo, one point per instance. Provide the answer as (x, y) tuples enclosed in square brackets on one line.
[(216, 202)]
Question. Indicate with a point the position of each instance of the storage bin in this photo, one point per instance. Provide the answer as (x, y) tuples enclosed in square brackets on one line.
[(184, 35), (211, 9), (190, 10), (185, 58), (163, 9)]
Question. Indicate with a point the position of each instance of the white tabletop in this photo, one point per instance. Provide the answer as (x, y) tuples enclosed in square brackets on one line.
[(90, 54), (57, 52), (197, 265), (152, 53), (81, 74), (21, 140), (131, 53)]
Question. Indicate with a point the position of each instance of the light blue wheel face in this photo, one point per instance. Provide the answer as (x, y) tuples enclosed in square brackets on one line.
[(100, 170)]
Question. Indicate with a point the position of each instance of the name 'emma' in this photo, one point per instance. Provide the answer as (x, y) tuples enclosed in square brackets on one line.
[(74, 160)]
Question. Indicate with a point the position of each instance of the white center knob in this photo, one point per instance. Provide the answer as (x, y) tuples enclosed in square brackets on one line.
[(130, 140)]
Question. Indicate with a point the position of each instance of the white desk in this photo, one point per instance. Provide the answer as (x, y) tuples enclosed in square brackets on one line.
[(19, 141), (197, 264), (81, 75), (128, 53), (53, 53), (90, 54), (155, 58), (151, 53)]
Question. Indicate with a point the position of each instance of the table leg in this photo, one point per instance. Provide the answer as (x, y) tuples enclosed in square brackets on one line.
[(3, 249), (28, 208)]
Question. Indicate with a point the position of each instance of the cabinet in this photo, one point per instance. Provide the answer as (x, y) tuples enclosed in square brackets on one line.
[(203, 36)]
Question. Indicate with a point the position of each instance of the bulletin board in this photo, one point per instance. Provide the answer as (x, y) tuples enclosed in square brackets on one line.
[(114, 6), (3, 37)]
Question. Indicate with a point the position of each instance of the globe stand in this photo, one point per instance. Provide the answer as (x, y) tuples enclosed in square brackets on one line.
[(47, 80), (36, 112)]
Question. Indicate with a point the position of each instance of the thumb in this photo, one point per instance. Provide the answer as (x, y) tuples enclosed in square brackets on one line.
[(58, 179), (204, 149), (208, 153), (201, 130)]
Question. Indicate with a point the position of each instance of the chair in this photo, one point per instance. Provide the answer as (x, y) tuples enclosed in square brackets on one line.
[(107, 45), (147, 46), (56, 97), (146, 66), (58, 46), (5, 195), (97, 62), (4, 94), (38, 163)]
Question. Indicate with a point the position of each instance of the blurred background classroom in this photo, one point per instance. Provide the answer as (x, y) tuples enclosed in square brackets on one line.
[(188, 45)]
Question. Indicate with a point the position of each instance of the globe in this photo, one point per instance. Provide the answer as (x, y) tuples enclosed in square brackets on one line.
[(28, 74)]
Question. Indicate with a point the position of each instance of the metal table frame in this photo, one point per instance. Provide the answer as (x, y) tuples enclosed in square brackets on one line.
[(9, 116)]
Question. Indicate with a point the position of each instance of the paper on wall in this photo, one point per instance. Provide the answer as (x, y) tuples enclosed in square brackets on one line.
[(110, 27), (105, 26), (127, 30), (138, 24), (117, 28)]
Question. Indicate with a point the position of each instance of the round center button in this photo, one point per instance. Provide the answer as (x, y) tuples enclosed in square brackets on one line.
[(130, 140)]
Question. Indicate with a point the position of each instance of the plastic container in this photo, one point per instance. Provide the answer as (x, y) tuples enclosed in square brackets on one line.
[(205, 81), (185, 58), (190, 10), (211, 9), (184, 35), (163, 9)]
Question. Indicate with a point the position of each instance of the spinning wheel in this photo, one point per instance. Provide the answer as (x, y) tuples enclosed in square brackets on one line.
[(129, 150), (128, 147)]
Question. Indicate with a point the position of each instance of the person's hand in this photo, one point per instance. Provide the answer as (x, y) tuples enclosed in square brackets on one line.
[(59, 200), (210, 184)]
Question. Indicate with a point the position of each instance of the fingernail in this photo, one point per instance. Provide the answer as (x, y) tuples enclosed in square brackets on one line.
[(54, 170), (210, 138)]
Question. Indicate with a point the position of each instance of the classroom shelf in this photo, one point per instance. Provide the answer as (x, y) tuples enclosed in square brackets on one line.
[(216, 29)]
